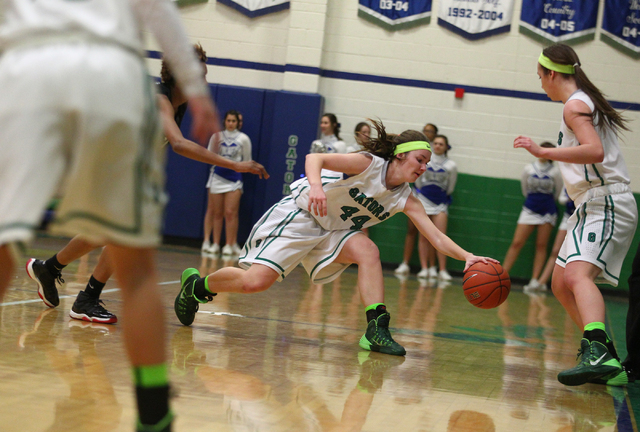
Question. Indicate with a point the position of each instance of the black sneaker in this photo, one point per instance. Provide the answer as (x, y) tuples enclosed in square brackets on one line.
[(378, 338), (87, 308), (38, 271)]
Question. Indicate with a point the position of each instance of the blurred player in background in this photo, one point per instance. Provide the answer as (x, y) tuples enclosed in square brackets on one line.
[(88, 121)]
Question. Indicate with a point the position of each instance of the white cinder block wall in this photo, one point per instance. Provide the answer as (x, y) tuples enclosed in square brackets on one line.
[(328, 35)]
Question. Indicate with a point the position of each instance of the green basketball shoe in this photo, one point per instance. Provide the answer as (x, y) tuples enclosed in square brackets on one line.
[(616, 379), (596, 363), (378, 338), (186, 304)]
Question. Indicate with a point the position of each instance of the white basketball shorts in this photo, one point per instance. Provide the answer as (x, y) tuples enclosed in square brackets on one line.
[(80, 119), (600, 231), (287, 235)]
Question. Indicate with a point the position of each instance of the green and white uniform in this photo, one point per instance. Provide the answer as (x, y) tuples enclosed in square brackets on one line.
[(79, 116), (602, 227), (288, 234)]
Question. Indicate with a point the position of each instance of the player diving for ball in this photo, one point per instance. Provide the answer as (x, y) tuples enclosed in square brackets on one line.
[(320, 223)]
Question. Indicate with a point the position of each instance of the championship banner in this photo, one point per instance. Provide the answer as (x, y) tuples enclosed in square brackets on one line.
[(255, 8), (559, 20), (396, 15), (185, 3), (621, 26), (473, 19)]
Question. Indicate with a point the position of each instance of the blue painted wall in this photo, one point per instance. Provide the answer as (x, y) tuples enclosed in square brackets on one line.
[(281, 126)]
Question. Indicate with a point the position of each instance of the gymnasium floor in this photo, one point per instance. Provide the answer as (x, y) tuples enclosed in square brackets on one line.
[(288, 360)]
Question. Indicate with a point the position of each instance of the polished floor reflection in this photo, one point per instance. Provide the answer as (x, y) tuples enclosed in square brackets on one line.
[(288, 360)]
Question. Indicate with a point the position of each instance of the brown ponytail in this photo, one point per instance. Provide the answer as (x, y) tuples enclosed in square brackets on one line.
[(604, 115), (385, 144)]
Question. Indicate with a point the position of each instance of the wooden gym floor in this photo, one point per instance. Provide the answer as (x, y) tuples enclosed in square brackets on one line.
[(288, 360)]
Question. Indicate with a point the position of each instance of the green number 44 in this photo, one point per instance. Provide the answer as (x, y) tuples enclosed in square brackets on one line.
[(348, 212)]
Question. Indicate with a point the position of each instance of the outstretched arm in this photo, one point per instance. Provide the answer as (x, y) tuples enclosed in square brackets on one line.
[(191, 150), (440, 241), (578, 118)]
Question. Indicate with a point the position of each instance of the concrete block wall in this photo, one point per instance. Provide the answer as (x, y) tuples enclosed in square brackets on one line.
[(327, 39), (407, 78)]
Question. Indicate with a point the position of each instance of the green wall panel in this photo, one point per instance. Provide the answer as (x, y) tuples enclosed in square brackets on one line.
[(482, 219)]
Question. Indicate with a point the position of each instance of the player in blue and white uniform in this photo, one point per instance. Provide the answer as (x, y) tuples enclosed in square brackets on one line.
[(541, 184), (600, 231), (225, 187), (329, 141), (319, 226), (434, 189)]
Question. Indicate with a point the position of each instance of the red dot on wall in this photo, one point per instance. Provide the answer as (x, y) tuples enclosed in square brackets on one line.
[(459, 93)]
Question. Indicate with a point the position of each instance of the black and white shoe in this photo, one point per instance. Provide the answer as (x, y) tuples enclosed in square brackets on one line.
[(87, 308), (47, 290)]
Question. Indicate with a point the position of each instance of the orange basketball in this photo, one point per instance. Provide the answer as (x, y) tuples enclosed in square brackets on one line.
[(486, 285)]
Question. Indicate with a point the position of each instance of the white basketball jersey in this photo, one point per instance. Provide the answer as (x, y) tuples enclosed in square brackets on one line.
[(119, 22), (105, 20), (356, 202), (578, 178)]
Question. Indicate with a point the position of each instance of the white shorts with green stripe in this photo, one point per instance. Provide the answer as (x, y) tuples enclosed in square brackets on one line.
[(286, 236), (600, 232), (81, 116)]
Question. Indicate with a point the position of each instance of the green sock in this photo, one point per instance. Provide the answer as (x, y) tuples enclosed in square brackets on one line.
[(594, 326), (375, 310)]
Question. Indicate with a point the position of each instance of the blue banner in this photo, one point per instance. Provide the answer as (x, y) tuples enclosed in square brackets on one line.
[(254, 8), (396, 14), (473, 19), (559, 20), (621, 25)]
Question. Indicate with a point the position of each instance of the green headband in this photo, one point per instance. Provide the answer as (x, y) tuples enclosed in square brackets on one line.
[(565, 69), (411, 145)]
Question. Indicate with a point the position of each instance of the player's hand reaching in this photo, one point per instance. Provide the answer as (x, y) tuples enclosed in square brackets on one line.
[(317, 200), (528, 144), (472, 259), (206, 120), (252, 167)]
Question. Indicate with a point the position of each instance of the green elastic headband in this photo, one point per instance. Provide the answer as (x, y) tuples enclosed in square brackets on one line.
[(565, 69), (411, 145)]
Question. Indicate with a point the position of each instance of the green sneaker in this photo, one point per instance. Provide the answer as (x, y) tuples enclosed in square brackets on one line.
[(373, 368), (163, 425), (186, 304), (378, 338), (616, 379), (596, 363)]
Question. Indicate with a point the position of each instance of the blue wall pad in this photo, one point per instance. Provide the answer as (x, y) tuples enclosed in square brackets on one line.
[(281, 126), (295, 119)]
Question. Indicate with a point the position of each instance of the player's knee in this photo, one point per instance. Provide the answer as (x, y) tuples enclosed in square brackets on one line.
[(572, 280), (229, 214), (367, 251), (517, 244), (255, 285)]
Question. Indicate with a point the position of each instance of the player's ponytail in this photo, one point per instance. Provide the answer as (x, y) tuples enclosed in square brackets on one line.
[(604, 115), (385, 144)]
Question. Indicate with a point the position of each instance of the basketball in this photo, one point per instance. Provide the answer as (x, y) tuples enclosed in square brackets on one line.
[(486, 285)]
